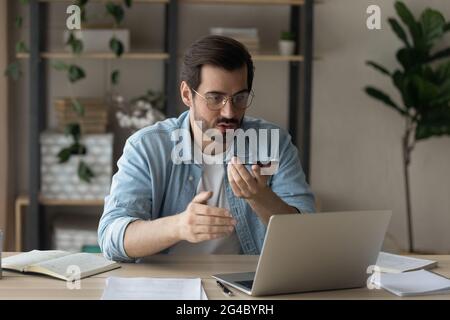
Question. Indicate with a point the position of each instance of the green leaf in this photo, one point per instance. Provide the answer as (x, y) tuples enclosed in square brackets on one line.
[(426, 90), (402, 84), (378, 67), (78, 107), (410, 58), (408, 19), (75, 73), (75, 44), (399, 31), (24, 1), (19, 22), (13, 70), (434, 122), (64, 155), (381, 96), (442, 72), (443, 96), (60, 66), (82, 3), (78, 148), (116, 46), (21, 47), (115, 77), (445, 53), (447, 27), (84, 172), (432, 23), (128, 3), (116, 11), (74, 130)]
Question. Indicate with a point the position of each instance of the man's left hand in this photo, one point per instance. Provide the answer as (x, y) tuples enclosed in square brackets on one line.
[(244, 184)]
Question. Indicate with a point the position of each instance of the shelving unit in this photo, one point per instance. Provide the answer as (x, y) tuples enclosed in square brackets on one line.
[(147, 56), (300, 65), (24, 201)]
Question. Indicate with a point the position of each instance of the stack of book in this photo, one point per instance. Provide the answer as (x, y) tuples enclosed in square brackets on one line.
[(94, 119), (247, 36)]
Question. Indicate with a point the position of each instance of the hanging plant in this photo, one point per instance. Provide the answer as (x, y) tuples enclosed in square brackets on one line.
[(116, 11), (74, 74), (14, 69)]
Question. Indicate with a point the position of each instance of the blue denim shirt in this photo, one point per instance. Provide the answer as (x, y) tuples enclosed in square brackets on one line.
[(149, 185)]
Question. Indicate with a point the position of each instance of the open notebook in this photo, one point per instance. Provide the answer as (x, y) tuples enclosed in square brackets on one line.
[(59, 264)]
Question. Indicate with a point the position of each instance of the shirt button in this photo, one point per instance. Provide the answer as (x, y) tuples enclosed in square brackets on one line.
[(191, 178)]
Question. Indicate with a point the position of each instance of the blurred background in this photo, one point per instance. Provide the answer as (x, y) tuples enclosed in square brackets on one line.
[(70, 100)]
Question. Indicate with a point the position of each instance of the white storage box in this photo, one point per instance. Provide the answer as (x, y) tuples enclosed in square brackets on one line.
[(61, 181), (74, 232), (97, 40)]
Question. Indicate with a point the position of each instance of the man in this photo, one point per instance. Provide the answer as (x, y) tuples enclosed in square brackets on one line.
[(164, 200)]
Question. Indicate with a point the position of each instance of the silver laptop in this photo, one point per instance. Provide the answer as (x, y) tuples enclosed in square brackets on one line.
[(313, 252)]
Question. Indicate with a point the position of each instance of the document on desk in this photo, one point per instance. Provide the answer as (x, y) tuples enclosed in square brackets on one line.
[(412, 283), (393, 263), (153, 289)]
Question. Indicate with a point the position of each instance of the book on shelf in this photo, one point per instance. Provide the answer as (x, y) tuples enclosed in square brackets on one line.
[(59, 264), (93, 120), (86, 128), (87, 117), (248, 33)]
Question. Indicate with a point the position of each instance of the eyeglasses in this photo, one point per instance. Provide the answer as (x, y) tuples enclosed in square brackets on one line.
[(216, 101)]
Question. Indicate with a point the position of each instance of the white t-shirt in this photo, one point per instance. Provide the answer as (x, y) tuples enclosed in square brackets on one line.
[(212, 180)]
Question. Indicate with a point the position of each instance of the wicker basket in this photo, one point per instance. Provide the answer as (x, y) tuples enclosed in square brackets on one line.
[(94, 120)]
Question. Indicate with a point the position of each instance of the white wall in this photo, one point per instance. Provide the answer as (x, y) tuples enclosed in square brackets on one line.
[(356, 149)]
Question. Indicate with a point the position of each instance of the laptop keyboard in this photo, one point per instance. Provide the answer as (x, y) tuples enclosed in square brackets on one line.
[(248, 283)]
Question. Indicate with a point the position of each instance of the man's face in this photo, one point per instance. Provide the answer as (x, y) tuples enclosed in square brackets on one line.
[(221, 81)]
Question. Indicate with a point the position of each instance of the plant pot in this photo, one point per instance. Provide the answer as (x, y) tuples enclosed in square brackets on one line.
[(286, 47)]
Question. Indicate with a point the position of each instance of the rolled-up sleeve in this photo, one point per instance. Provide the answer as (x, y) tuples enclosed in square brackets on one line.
[(289, 182), (130, 199)]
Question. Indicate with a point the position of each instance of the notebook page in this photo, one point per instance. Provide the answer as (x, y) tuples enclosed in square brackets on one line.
[(152, 289), (392, 262), (413, 283), (22, 260), (88, 264)]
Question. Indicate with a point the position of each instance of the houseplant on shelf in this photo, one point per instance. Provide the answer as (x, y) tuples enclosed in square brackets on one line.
[(423, 81), (140, 112), (286, 44)]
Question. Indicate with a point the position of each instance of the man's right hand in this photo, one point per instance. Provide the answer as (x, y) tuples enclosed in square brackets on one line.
[(200, 222)]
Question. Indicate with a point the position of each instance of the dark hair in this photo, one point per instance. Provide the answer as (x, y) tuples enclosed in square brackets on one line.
[(218, 51)]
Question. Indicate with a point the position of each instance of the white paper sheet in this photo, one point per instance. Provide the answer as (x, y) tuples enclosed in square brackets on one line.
[(389, 262), (153, 289), (412, 283)]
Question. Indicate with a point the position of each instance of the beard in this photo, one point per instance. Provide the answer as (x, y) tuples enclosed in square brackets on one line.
[(221, 126)]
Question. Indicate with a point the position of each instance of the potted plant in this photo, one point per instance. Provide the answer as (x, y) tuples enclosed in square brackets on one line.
[(286, 44), (423, 81)]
